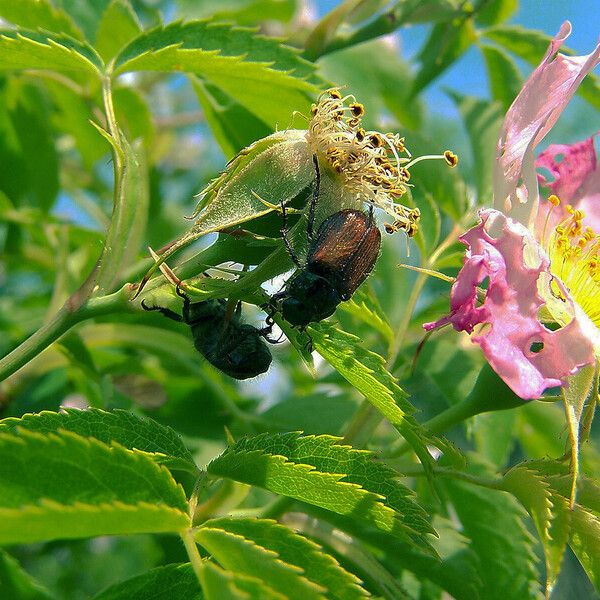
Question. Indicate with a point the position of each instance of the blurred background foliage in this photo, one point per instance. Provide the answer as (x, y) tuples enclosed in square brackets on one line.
[(440, 72)]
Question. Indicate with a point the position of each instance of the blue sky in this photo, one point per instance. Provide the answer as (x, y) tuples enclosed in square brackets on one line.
[(468, 73)]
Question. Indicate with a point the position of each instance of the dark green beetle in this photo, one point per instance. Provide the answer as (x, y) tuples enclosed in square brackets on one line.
[(232, 346)]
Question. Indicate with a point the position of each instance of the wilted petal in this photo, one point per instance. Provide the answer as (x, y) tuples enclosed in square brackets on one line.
[(533, 113), (526, 355)]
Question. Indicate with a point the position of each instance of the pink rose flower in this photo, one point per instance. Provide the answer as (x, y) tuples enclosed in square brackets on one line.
[(539, 321)]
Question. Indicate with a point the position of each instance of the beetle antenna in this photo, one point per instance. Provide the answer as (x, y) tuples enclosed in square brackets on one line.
[(286, 239), (313, 200)]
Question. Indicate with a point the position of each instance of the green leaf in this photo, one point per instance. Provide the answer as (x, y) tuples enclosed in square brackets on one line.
[(320, 471), (402, 12), (266, 77), (312, 413), (365, 307), (86, 13), (549, 511), (29, 158), (57, 486), (171, 582), (493, 433), (297, 550), (482, 120), (242, 12), (233, 126), (145, 435), (275, 169), (72, 116), (363, 369), (504, 76), (219, 584), (39, 50), (34, 14), (118, 26), (241, 555), (531, 45), (17, 584), (585, 542), (134, 116), (496, 11), (494, 522), (447, 42)]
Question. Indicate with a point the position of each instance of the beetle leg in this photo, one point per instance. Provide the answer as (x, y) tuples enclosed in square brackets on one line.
[(371, 217), (165, 311), (186, 302), (313, 201), (308, 347), (286, 239)]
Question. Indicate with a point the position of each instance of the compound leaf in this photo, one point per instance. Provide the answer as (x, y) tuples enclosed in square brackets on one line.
[(145, 435), (297, 550), (65, 486), (320, 471), (263, 75), (363, 369), (549, 511), (31, 14), (42, 50), (118, 26), (241, 555), (585, 542)]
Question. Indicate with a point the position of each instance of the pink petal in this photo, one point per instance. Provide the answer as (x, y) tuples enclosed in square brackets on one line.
[(533, 113), (589, 201), (504, 251), (575, 180), (569, 174)]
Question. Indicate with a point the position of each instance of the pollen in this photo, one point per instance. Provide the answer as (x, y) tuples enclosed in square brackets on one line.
[(372, 165), (575, 259)]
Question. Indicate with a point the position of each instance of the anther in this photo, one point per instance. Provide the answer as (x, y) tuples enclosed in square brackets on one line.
[(554, 200), (451, 158), (357, 109)]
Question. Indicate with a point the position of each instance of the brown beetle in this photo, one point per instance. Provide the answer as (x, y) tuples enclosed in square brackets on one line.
[(340, 257)]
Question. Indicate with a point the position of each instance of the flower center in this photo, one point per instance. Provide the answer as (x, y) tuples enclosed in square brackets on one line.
[(574, 252), (371, 163)]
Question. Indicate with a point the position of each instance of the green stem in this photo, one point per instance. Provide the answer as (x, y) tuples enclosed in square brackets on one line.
[(187, 535), (41, 339), (64, 319), (493, 484)]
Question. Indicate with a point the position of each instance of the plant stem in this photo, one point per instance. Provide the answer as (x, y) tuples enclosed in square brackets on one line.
[(41, 339), (64, 319), (187, 535), (493, 484)]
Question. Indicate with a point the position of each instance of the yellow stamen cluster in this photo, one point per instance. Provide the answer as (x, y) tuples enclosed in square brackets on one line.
[(369, 162), (574, 252)]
